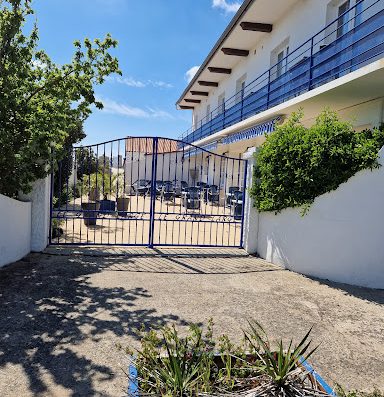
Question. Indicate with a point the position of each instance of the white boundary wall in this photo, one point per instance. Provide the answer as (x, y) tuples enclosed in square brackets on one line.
[(15, 229), (340, 238), (24, 225), (40, 201)]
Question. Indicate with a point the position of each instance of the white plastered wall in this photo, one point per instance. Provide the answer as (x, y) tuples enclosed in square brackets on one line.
[(15, 229), (340, 238), (40, 218)]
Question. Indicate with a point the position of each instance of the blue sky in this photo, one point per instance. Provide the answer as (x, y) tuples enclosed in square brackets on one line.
[(159, 42)]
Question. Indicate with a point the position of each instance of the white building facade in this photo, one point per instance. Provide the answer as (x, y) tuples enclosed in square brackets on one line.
[(277, 56)]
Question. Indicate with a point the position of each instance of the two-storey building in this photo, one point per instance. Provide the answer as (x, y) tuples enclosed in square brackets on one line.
[(277, 56)]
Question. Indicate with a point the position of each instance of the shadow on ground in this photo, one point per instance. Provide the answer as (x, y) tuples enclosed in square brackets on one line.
[(47, 310), (171, 261), (367, 294)]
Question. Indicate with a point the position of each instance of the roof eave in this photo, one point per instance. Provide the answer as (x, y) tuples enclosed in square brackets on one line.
[(244, 7)]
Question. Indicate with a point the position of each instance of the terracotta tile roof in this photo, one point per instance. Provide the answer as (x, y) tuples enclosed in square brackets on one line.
[(145, 145)]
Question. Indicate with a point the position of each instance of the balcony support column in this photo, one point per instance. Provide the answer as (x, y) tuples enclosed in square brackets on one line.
[(310, 66), (269, 87)]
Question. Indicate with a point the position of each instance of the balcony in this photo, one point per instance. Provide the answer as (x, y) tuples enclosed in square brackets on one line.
[(350, 42)]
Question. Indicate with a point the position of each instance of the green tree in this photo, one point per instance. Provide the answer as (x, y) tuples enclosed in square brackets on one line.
[(297, 164), (43, 105)]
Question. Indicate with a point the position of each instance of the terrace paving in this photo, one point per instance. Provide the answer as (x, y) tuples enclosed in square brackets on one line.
[(65, 313)]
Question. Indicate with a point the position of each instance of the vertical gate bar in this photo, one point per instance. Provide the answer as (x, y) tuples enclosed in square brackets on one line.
[(174, 189), (130, 190), (59, 197), (186, 200), (213, 182), (60, 187), (51, 197), (81, 151), (153, 193), (59, 194), (110, 191), (238, 183), (245, 164), (117, 189), (230, 209), (146, 193), (181, 191), (66, 193), (225, 196), (169, 179), (73, 167), (67, 180), (212, 211), (102, 195), (206, 207), (138, 184), (218, 203), (161, 196), (204, 197), (97, 189), (193, 217), (89, 184)]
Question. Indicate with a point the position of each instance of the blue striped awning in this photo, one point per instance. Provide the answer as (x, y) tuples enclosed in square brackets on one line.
[(198, 150), (253, 132)]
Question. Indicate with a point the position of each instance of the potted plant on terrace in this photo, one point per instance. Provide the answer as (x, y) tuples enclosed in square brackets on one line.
[(108, 188), (91, 188), (197, 365), (122, 200)]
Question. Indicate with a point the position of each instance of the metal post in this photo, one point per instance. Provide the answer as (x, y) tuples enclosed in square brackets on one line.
[(242, 105), (51, 199), (244, 198), (310, 66), (153, 193), (269, 87)]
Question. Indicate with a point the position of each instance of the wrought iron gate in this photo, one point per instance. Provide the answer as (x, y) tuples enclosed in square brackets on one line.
[(148, 192)]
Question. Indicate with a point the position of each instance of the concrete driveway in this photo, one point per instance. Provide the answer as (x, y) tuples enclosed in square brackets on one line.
[(64, 314)]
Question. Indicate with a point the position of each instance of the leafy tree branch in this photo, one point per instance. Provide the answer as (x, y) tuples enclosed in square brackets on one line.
[(43, 105)]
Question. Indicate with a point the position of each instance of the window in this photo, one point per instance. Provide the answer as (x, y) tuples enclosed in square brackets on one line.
[(279, 59), (221, 103), (342, 23), (240, 87), (358, 12), (194, 121), (339, 19), (208, 114)]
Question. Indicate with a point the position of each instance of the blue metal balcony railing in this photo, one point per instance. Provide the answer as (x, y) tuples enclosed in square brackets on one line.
[(350, 42)]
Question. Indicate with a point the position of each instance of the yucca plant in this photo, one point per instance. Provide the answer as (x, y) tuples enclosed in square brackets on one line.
[(169, 365), (279, 364)]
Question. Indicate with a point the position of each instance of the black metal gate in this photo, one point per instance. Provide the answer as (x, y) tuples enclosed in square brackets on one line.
[(148, 192)]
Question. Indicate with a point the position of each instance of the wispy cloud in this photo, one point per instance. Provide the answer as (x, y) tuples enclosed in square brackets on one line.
[(190, 74), (122, 109), (226, 6), (131, 82)]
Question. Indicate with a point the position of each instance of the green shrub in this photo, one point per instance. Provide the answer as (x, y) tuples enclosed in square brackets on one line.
[(296, 164)]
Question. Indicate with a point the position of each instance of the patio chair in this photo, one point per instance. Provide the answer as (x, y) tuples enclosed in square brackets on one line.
[(237, 204), (213, 194), (191, 198), (229, 195), (167, 192)]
